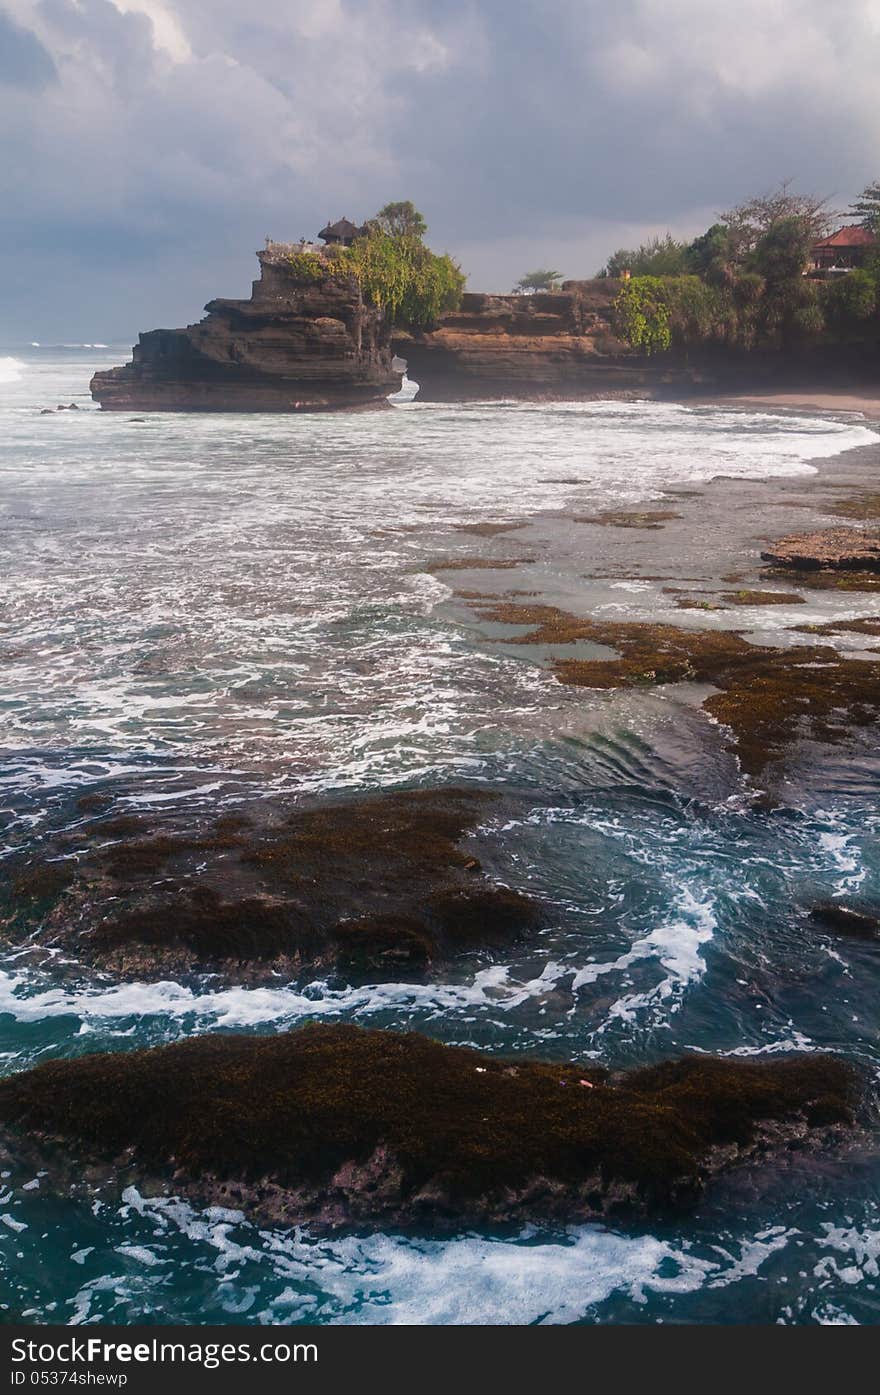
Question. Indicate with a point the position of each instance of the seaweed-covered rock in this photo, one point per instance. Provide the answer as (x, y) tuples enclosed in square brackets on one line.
[(338, 1124), (377, 885), (859, 924), (768, 696), (848, 549)]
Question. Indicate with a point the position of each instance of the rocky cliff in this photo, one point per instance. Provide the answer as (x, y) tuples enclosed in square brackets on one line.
[(298, 344), (557, 344), (563, 345)]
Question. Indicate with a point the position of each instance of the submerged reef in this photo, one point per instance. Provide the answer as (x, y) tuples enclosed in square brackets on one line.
[(339, 1125), (768, 698), (628, 518), (377, 885), (300, 343)]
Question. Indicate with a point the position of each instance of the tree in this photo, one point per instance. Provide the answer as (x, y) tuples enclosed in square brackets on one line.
[(850, 301), (711, 255), (867, 207), (748, 222), (412, 284), (790, 309), (782, 252), (541, 280), (660, 256), (400, 220)]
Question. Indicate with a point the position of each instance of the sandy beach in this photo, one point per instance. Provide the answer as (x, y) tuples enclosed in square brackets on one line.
[(863, 399)]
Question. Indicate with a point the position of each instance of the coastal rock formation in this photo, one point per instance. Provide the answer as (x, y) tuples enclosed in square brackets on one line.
[(298, 344), (338, 1125), (768, 697), (837, 549), (377, 886), (553, 344)]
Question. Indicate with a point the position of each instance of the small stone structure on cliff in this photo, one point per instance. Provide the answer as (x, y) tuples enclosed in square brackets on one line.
[(300, 343)]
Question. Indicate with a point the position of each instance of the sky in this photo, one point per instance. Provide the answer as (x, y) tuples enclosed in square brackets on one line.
[(150, 146)]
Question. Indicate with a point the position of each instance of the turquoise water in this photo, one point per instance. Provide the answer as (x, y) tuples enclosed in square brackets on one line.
[(202, 611)]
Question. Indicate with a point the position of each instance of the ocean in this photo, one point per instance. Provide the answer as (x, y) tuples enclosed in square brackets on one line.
[(201, 611)]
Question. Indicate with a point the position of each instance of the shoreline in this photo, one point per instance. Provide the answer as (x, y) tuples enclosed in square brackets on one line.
[(864, 401)]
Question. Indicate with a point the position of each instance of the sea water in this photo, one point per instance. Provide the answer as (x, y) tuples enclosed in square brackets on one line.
[(201, 610)]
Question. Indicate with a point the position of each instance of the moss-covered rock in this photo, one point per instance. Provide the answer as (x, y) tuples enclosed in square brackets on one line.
[(378, 885), (768, 697), (628, 518), (340, 1124)]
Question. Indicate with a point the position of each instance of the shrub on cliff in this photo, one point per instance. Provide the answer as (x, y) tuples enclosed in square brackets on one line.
[(661, 256), (641, 314), (307, 266), (656, 313), (412, 284)]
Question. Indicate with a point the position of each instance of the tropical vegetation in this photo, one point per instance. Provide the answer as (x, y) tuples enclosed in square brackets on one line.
[(393, 266), (742, 283)]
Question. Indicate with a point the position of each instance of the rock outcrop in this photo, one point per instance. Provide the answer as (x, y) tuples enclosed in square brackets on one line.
[(838, 549), (376, 886), (298, 344), (553, 344), (338, 1125), (768, 697)]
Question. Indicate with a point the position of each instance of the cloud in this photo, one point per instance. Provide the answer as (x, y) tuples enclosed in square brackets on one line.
[(23, 60), (154, 143)]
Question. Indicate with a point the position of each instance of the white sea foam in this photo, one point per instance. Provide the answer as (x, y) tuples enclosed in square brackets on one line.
[(10, 370), (23, 1000), (675, 946), (387, 1279)]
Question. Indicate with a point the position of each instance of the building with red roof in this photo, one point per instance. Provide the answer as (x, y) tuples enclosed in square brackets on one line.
[(843, 250)]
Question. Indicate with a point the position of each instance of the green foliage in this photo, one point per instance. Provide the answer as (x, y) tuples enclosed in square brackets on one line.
[(412, 284), (782, 252), (661, 256), (401, 219), (747, 223), (850, 300), (867, 206), (712, 254), (641, 314), (307, 266), (656, 313), (742, 283), (698, 312), (541, 280)]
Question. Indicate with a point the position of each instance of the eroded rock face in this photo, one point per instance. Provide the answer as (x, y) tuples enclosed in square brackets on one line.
[(556, 344), (340, 1125), (376, 887), (295, 345), (838, 549)]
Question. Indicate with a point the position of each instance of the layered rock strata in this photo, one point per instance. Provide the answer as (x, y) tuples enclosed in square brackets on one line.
[(298, 344), (554, 344)]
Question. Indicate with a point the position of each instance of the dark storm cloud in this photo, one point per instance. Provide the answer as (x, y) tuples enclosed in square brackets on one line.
[(177, 133)]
